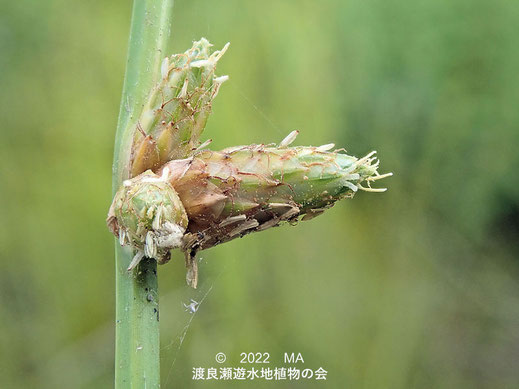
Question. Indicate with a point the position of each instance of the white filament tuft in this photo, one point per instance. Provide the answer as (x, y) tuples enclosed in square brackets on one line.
[(169, 236), (365, 159)]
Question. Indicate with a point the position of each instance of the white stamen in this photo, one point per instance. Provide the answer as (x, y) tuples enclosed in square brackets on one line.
[(289, 139), (136, 259), (327, 147), (183, 91), (350, 185), (200, 63), (371, 189), (219, 54), (150, 247), (220, 80), (122, 237), (157, 220), (379, 177), (164, 67), (365, 159)]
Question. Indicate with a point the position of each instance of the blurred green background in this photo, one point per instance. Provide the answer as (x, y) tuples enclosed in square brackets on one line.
[(415, 288)]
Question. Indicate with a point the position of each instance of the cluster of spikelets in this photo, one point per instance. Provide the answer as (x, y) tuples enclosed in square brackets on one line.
[(182, 196)]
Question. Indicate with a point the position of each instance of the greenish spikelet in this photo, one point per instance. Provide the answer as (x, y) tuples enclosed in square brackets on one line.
[(147, 214), (239, 190), (177, 109)]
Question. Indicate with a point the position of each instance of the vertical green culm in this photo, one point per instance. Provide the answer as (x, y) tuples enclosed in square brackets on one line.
[(137, 363)]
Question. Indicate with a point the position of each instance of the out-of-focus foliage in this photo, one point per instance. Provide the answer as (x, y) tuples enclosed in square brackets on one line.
[(415, 288)]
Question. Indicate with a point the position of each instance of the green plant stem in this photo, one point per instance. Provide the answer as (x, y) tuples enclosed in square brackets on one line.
[(137, 363)]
